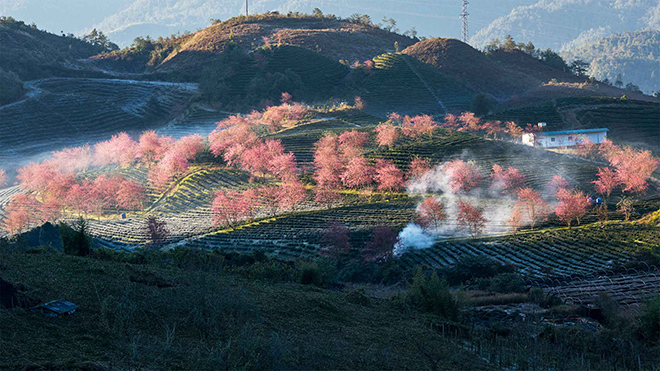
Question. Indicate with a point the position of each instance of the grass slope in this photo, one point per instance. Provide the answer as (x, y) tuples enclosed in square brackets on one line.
[(147, 317)]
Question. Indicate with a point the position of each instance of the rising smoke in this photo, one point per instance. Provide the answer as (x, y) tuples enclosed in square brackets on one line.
[(497, 208)]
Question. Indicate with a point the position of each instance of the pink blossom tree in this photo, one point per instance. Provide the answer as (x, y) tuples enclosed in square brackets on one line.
[(506, 181), (572, 206), (120, 149), (386, 135), (357, 173), (531, 206), (557, 184), (152, 147), (131, 195), (230, 207), (469, 122), (471, 217), (633, 168), (73, 159), (607, 181), (451, 122), (388, 176), (418, 167), (463, 176), (381, 246), (431, 213)]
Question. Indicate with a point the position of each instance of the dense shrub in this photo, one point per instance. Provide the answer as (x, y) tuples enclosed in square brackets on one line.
[(76, 239), (432, 294)]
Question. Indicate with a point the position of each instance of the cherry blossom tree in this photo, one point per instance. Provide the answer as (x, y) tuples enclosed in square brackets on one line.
[(395, 119), (120, 149), (469, 122), (359, 103), (493, 128), (506, 181), (386, 135), (424, 124), (513, 130), (230, 207), (335, 241), (418, 167), (572, 206), (633, 168), (284, 166), (451, 122), (607, 181), (152, 147), (515, 220), (464, 176), (130, 195), (351, 143), (531, 206), (328, 168), (557, 184), (388, 177), (471, 217), (105, 190), (357, 173), (381, 246), (21, 212), (431, 213), (291, 194), (78, 198), (73, 159), (286, 97)]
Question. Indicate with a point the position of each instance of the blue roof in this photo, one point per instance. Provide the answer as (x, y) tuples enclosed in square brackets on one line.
[(583, 131)]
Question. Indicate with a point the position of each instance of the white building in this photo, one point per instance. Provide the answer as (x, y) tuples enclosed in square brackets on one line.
[(565, 138)]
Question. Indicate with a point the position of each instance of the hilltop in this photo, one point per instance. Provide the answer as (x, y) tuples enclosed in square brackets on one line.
[(506, 73), (334, 38)]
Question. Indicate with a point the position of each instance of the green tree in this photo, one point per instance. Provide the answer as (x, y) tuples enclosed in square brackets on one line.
[(75, 238), (317, 13), (579, 67)]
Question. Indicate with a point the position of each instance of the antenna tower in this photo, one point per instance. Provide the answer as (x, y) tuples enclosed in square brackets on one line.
[(246, 8), (464, 17)]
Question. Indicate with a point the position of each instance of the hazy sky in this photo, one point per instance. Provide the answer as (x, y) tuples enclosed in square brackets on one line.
[(430, 17)]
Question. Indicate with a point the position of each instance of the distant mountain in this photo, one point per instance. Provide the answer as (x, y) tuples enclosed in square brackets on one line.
[(555, 23), (635, 56)]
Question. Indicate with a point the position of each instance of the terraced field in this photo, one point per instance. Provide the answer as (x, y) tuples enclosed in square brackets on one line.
[(64, 112), (555, 253), (298, 235), (630, 288)]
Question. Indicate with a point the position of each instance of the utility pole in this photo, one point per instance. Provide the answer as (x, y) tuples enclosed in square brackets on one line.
[(464, 17), (246, 8)]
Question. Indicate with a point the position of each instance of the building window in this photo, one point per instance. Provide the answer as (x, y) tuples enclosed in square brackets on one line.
[(552, 139)]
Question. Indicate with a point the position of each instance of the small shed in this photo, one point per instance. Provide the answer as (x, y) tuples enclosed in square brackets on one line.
[(56, 308), (564, 138)]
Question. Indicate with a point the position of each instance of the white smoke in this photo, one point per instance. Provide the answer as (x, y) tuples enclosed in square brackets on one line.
[(413, 237), (497, 208)]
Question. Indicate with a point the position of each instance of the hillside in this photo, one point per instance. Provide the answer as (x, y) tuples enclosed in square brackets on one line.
[(334, 38), (633, 56), (504, 74), (180, 318), (32, 53), (629, 121)]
